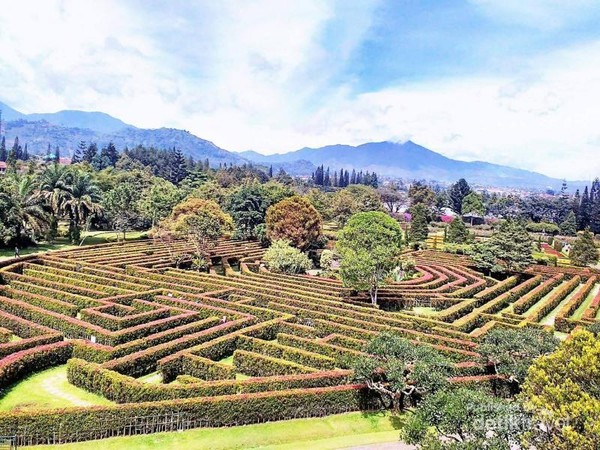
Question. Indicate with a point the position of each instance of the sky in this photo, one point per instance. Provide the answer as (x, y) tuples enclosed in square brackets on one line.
[(506, 81)]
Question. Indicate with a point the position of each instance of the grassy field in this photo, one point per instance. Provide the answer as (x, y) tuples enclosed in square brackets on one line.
[(333, 432), (47, 389), (91, 238)]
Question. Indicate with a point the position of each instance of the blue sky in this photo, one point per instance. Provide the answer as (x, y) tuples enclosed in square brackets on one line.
[(506, 81)]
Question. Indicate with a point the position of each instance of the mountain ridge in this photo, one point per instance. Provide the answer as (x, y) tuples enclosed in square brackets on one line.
[(407, 160)]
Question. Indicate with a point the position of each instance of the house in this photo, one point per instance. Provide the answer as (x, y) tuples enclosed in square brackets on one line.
[(2, 167), (473, 218)]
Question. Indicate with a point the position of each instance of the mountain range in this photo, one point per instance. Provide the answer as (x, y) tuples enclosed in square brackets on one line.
[(394, 160)]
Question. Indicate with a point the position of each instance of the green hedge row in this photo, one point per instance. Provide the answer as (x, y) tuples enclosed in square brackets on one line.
[(206, 369), (562, 322), (257, 365), (557, 296), (18, 365), (295, 355), (535, 295)]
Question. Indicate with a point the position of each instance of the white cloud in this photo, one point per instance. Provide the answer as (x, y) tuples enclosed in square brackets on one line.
[(265, 75)]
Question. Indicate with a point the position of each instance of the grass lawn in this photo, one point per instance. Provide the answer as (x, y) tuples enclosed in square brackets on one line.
[(333, 432), (91, 238), (47, 389)]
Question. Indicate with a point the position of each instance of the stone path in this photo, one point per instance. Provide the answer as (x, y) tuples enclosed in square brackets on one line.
[(50, 385)]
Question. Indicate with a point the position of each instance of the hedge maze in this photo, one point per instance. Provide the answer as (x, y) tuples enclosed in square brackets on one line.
[(241, 345)]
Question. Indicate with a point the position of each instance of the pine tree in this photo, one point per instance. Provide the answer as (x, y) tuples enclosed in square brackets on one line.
[(353, 177), (271, 171), (110, 155), (49, 153), (17, 149), (346, 179), (568, 227), (77, 154), (326, 178), (335, 182), (564, 204), (57, 155), (584, 210), (177, 166), (457, 232), (595, 207), (418, 223), (3, 152), (457, 192), (25, 153), (575, 206), (584, 252), (90, 153)]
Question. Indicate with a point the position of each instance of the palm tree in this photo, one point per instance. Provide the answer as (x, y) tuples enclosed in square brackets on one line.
[(53, 188), (81, 201), (23, 208)]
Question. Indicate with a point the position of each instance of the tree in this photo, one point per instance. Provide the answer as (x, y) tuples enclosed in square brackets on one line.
[(201, 223), (457, 232), (418, 223), (369, 245), (507, 250), (248, 206), (584, 210), (78, 153), (53, 184), (158, 200), (391, 198), (120, 205), (457, 192), (296, 220), (109, 155), (82, 199), (584, 251), (399, 371), (177, 166), (562, 393), (22, 212), (569, 226), (283, 258), (510, 352), (90, 152), (420, 193), (472, 204), (465, 419), (3, 152)]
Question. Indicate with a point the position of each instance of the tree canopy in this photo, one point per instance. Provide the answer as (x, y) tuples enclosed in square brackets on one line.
[(369, 245), (295, 220)]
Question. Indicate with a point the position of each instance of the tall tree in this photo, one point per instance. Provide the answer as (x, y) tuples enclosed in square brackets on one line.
[(78, 153), (508, 249), (457, 192), (457, 232), (568, 226), (585, 210), (82, 199), (295, 220), (369, 245), (3, 152), (418, 223), (584, 251), (90, 153), (595, 207)]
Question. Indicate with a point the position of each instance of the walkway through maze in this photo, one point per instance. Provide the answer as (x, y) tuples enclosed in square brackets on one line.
[(246, 345)]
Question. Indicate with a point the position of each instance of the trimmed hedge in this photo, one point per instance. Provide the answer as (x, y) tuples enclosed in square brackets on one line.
[(257, 365)]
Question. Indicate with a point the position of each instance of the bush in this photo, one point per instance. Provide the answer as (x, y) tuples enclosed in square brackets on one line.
[(283, 258)]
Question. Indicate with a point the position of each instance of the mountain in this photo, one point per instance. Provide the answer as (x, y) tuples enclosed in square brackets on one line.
[(411, 161), (66, 129), (408, 160)]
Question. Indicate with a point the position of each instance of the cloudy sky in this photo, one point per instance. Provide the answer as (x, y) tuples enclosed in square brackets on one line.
[(508, 81)]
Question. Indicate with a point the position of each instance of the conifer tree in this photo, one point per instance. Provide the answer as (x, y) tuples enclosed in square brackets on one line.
[(595, 207), (457, 232), (77, 154), (584, 251), (57, 154), (584, 210), (418, 223), (90, 153), (569, 226), (3, 152)]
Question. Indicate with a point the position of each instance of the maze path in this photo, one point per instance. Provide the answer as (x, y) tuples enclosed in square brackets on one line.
[(243, 347)]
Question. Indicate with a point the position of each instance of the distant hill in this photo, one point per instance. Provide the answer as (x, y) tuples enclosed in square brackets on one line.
[(408, 160), (411, 161), (67, 128)]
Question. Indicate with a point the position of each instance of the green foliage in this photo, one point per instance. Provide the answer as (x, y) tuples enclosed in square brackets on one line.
[(457, 193), (465, 419), (561, 391), (542, 227), (569, 226), (400, 371), (511, 351), (584, 251), (508, 249), (418, 223), (369, 245), (283, 258), (473, 204), (457, 232)]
